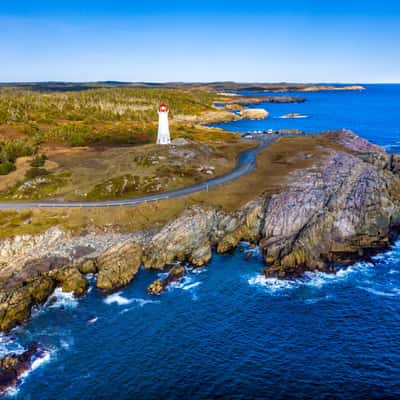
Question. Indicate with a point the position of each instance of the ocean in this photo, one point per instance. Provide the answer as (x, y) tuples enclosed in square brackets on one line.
[(225, 332)]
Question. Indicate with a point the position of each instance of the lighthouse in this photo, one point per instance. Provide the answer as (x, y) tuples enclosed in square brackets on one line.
[(163, 136)]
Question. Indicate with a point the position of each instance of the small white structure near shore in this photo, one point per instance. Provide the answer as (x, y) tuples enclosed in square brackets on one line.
[(163, 136)]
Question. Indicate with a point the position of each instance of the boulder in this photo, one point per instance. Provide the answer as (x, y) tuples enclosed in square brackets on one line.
[(12, 366), (119, 265), (188, 238), (88, 267), (16, 302), (158, 287), (70, 280)]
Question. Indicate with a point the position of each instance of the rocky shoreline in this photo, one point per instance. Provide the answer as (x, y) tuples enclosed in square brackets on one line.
[(344, 207), (14, 366)]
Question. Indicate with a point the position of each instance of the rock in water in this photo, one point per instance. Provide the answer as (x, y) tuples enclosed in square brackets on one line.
[(159, 286), (12, 366), (16, 302), (71, 280), (118, 265)]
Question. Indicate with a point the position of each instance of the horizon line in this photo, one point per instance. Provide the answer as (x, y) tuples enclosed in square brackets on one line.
[(203, 82)]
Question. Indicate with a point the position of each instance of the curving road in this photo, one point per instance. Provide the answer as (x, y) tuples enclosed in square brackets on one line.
[(245, 164)]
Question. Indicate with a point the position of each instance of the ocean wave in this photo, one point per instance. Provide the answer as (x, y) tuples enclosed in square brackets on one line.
[(378, 292), (198, 271), (37, 363), (315, 300), (92, 321), (66, 343), (118, 299), (9, 344), (63, 299), (140, 303), (392, 293), (143, 302), (186, 283), (310, 279), (191, 286)]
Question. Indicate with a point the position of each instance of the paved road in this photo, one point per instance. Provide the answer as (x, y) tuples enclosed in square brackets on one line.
[(245, 164)]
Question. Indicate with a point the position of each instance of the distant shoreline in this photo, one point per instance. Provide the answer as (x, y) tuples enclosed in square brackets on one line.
[(207, 86)]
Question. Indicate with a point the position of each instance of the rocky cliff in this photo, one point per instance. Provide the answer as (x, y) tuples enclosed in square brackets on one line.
[(343, 207)]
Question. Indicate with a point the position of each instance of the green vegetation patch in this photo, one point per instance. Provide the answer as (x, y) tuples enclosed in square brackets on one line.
[(39, 185), (25, 222), (39, 161), (104, 116), (125, 185), (10, 150)]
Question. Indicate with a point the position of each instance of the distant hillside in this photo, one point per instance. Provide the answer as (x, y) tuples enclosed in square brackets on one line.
[(208, 86)]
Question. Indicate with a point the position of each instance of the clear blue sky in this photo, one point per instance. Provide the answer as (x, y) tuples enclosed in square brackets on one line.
[(248, 41)]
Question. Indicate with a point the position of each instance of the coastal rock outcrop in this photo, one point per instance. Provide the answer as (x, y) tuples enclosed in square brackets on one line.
[(16, 302), (13, 366), (70, 280), (88, 267), (175, 274), (188, 238), (343, 206), (118, 265), (340, 210), (293, 116)]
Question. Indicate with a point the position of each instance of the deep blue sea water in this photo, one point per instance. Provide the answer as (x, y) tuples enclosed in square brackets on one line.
[(373, 114), (225, 332)]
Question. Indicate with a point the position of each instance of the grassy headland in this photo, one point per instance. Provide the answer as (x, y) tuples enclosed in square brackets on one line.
[(273, 166), (95, 142)]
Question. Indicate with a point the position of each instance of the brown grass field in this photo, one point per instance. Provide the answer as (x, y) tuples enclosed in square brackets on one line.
[(273, 166)]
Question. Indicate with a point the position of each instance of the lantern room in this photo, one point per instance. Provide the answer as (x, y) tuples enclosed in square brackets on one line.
[(163, 107)]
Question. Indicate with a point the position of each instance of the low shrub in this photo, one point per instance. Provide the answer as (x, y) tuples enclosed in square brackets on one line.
[(39, 161), (6, 167), (34, 172)]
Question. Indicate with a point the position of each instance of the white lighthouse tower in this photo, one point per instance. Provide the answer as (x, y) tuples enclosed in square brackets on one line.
[(163, 136)]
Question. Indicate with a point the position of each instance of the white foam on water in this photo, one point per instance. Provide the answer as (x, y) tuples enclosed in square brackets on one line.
[(66, 344), (191, 286), (316, 300), (186, 280), (272, 285), (92, 321), (140, 303), (393, 293), (390, 292), (143, 302), (9, 344), (198, 271), (118, 299), (310, 279), (38, 362), (64, 299)]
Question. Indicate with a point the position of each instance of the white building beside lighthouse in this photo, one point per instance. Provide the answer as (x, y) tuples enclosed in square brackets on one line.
[(163, 136)]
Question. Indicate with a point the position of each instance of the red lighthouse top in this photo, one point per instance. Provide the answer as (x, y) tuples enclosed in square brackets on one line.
[(163, 107)]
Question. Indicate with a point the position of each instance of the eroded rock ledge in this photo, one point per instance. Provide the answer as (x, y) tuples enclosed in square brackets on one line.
[(344, 207)]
